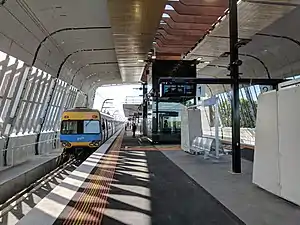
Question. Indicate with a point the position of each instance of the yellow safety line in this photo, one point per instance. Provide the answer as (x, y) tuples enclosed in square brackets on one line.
[(92, 193), (81, 206), (78, 204), (106, 197), (85, 195), (101, 185), (80, 201), (103, 195)]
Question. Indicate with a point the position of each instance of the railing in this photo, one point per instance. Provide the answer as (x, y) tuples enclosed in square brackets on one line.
[(136, 100), (247, 135), (133, 102), (15, 155)]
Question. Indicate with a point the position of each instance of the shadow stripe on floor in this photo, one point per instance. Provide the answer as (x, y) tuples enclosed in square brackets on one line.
[(174, 198)]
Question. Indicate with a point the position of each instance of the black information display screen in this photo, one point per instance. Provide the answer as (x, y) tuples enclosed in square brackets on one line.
[(178, 90)]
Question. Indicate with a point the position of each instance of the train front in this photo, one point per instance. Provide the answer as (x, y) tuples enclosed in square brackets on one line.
[(80, 130)]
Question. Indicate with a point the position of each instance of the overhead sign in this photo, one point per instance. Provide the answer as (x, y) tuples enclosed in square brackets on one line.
[(177, 90), (265, 88), (200, 90)]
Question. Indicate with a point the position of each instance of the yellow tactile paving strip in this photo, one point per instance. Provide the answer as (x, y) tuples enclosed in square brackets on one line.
[(91, 203), (153, 148)]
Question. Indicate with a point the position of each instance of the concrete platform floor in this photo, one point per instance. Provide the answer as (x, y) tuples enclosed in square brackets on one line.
[(148, 188), (142, 187), (14, 179), (24, 206), (250, 203)]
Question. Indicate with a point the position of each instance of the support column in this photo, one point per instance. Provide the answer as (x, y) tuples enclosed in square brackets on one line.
[(156, 114), (234, 73), (145, 109)]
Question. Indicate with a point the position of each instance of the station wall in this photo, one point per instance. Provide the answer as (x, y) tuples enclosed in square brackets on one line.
[(276, 160)]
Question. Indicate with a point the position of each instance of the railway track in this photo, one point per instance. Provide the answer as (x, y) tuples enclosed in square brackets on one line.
[(20, 204)]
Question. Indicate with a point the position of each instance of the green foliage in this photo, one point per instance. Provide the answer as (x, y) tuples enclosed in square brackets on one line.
[(247, 113)]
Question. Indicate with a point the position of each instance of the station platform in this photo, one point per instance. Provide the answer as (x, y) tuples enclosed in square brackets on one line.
[(126, 182), (18, 177)]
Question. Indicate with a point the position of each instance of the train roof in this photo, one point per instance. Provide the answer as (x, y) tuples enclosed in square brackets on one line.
[(85, 109), (82, 109)]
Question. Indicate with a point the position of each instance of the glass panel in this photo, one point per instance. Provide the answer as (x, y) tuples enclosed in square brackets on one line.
[(80, 127), (91, 127), (169, 120), (13, 85), (69, 127)]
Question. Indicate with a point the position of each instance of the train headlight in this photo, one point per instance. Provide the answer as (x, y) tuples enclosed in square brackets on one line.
[(66, 144), (95, 144)]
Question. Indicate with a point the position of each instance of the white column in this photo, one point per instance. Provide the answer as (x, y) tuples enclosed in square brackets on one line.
[(217, 128)]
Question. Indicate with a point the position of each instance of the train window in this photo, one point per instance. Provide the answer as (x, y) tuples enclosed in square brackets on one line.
[(91, 127), (69, 127)]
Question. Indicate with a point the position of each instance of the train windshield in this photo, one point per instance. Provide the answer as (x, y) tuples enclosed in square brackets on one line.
[(91, 127), (69, 127), (80, 127)]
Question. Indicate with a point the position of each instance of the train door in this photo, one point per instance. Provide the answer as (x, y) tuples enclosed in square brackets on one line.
[(103, 130), (109, 128), (112, 127), (107, 131)]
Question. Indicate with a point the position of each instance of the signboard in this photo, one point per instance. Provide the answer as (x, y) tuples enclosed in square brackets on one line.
[(178, 90), (200, 92), (265, 88)]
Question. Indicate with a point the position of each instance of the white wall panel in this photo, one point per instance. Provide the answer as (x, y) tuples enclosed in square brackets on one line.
[(190, 127), (266, 169), (289, 140), (276, 159)]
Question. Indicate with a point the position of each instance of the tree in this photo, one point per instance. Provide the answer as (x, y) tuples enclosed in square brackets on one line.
[(247, 116), (225, 113)]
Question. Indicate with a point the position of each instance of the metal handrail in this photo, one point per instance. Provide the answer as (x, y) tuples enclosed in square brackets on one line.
[(244, 139), (26, 145), (9, 154)]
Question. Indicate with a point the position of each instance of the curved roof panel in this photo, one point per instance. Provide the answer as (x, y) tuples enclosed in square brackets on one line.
[(184, 23), (134, 25), (67, 27), (277, 55)]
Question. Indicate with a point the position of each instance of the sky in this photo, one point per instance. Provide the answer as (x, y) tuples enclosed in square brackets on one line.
[(118, 93)]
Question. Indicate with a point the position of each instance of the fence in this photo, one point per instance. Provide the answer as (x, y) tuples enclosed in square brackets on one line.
[(247, 135), (17, 153)]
